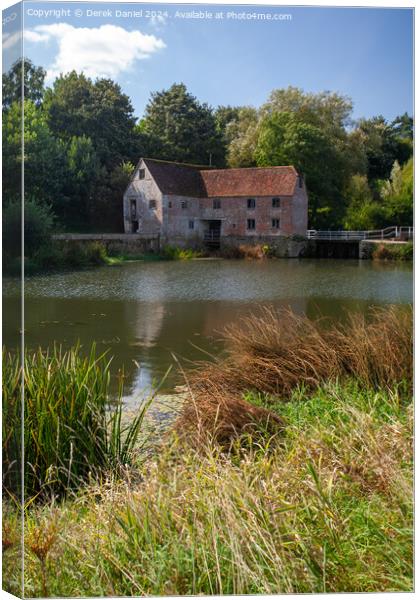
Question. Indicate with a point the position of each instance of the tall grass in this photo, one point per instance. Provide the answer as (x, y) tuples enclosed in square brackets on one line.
[(72, 431), (325, 508), (274, 352)]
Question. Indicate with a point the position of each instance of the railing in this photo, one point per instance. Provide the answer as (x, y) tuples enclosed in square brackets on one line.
[(394, 232)]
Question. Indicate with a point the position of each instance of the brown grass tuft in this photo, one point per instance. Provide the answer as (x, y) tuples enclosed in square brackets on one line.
[(274, 352)]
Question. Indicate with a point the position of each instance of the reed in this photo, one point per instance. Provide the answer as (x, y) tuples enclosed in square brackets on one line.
[(72, 430)]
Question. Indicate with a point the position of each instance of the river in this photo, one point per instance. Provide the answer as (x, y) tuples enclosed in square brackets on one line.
[(153, 314)]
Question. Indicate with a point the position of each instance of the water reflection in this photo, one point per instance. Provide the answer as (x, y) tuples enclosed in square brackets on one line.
[(145, 313)]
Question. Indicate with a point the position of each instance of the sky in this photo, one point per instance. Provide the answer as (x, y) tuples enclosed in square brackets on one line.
[(230, 59)]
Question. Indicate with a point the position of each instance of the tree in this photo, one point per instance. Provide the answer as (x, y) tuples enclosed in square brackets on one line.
[(403, 126), (33, 83), (363, 212), (241, 135), (285, 140), (397, 194), (184, 128), (382, 147), (76, 107), (44, 155), (328, 111), (38, 227)]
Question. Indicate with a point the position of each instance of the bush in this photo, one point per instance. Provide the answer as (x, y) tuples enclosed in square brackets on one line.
[(393, 251)]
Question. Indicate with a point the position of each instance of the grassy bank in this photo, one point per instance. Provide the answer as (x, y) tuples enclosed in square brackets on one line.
[(398, 252), (58, 256), (326, 506), (288, 470)]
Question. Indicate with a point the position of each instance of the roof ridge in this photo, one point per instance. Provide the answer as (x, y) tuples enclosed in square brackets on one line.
[(178, 164), (254, 168)]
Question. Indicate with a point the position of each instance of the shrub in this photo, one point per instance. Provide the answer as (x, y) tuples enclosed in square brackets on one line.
[(393, 251)]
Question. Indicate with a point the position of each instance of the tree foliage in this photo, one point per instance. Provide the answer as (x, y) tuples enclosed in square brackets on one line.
[(23, 76), (82, 139), (185, 128)]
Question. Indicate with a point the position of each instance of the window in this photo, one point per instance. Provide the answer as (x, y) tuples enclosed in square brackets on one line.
[(142, 173), (251, 203), (152, 204), (169, 204), (250, 224), (184, 204), (275, 223), (191, 224), (217, 203), (276, 202)]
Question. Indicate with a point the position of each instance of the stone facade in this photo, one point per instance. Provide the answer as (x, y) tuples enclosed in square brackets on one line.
[(180, 203)]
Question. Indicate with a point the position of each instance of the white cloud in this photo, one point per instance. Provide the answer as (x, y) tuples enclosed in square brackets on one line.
[(104, 51), (10, 39)]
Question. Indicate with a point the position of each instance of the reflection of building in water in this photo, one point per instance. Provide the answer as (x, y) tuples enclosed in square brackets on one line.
[(144, 320)]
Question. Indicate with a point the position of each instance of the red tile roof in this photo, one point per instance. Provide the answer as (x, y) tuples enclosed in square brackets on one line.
[(258, 181), (198, 181)]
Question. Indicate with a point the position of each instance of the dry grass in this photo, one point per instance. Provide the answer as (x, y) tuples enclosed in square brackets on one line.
[(276, 352), (328, 509)]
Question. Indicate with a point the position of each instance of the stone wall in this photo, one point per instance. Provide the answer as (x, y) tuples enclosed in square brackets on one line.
[(118, 243), (280, 246)]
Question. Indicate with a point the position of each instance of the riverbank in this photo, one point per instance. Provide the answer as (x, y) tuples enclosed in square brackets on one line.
[(289, 470), (60, 257)]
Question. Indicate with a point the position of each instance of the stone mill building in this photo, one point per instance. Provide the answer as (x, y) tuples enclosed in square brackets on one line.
[(189, 205)]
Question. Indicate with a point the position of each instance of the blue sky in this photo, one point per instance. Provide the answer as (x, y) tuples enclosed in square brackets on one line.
[(363, 53)]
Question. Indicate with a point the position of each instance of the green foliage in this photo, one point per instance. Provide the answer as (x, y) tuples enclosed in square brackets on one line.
[(176, 253), (38, 227), (185, 128), (73, 432), (398, 194), (284, 139), (393, 251), (33, 83), (82, 140)]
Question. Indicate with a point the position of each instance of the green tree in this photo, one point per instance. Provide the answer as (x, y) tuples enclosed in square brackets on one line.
[(285, 140), (382, 147), (44, 157), (363, 212), (33, 83), (397, 194), (241, 136), (184, 128), (38, 227), (77, 106)]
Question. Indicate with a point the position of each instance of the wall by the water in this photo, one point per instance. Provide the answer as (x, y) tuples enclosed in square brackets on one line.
[(280, 246), (118, 243)]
